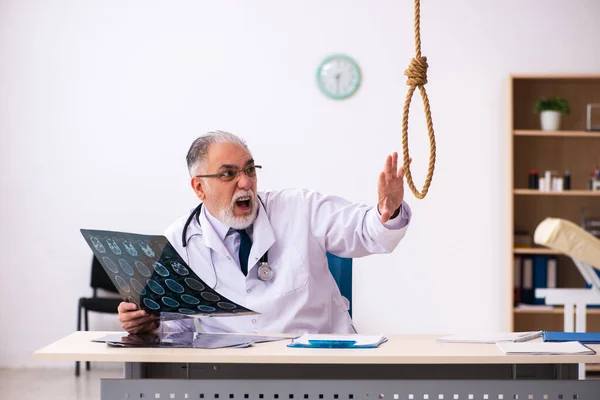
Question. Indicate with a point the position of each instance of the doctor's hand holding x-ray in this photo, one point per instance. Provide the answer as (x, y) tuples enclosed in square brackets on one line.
[(295, 229)]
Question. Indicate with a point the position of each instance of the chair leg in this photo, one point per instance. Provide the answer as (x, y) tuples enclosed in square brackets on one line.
[(78, 328), (87, 328)]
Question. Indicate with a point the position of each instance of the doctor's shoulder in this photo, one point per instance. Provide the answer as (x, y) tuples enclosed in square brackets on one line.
[(299, 201), (285, 200), (173, 231)]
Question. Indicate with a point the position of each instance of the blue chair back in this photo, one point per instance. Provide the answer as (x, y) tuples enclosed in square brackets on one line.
[(341, 269)]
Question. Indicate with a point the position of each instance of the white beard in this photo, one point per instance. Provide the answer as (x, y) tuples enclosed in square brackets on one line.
[(227, 216)]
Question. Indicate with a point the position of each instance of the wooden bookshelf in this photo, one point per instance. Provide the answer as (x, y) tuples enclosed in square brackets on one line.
[(535, 192), (533, 250), (551, 319), (552, 310), (592, 367), (557, 77), (571, 148), (566, 134)]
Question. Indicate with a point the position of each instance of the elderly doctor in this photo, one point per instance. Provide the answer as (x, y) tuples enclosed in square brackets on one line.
[(294, 228)]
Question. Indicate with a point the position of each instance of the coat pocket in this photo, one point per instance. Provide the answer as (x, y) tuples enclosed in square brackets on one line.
[(291, 273)]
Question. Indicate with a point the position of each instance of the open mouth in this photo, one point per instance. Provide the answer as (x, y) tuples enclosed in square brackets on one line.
[(244, 204)]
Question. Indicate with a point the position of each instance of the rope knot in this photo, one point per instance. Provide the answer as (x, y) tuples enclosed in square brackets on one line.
[(417, 72)]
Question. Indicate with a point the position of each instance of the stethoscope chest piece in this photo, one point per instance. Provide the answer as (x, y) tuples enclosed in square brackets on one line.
[(265, 272)]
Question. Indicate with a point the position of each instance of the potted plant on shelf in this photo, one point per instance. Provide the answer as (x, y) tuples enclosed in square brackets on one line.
[(551, 110)]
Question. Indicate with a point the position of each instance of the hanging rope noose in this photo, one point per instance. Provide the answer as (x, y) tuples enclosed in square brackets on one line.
[(417, 76)]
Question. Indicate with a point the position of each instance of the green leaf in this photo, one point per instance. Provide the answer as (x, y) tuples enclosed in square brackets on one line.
[(555, 103)]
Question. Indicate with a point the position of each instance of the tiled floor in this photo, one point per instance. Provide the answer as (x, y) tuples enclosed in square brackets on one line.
[(54, 384)]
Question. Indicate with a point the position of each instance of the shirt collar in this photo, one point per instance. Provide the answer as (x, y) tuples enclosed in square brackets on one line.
[(220, 228)]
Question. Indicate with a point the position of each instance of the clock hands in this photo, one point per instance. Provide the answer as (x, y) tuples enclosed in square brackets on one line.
[(338, 77)]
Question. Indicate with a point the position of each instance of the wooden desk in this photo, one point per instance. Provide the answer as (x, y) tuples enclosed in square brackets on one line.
[(405, 366)]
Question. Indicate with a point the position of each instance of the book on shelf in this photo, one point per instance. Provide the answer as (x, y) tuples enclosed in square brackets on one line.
[(522, 240), (531, 272)]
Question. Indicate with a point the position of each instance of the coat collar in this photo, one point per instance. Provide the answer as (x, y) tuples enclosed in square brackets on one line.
[(263, 236)]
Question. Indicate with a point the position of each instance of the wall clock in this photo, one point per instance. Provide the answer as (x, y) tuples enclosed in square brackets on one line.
[(338, 76)]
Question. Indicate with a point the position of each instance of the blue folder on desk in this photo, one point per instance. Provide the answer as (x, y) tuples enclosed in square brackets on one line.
[(581, 337), (315, 341)]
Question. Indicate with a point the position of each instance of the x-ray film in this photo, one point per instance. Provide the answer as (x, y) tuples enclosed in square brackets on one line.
[(149, 272), (199, 340)]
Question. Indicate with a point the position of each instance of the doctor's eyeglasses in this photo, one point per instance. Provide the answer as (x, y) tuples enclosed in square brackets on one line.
[(231, 173)]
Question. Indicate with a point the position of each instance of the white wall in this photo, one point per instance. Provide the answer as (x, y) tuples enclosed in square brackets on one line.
[(99, 101)]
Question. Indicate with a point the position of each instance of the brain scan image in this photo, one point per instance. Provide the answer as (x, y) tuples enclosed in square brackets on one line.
[(126, 267), (161, 269), (97, 245), (174, 286), (122, 284), (180, 269), (155, 287), (151, 304), (146, 249), (194, 284), (148, 272), (129, 247), (206, 309), (210, 296), (224, 304), (113, 246), (110, 265), (141, 267), (137, 286), (189, 299), (170, 302)]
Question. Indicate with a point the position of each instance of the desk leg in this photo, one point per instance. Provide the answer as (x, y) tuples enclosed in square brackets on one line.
[(569, 309), (568, 317), (580, 322), (133, 370), (580, 326)]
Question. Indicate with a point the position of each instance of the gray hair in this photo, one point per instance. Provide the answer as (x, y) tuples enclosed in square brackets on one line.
[(198, 152)]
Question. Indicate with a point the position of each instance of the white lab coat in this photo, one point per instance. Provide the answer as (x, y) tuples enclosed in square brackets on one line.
[(297, 228)]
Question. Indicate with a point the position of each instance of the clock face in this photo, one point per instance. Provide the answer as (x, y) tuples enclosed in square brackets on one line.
[(338, 77)]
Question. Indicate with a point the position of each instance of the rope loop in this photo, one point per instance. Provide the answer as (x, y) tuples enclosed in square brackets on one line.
[(417, 78)]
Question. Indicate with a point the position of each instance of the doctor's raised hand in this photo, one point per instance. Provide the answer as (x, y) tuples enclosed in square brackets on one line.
[(390, 189)]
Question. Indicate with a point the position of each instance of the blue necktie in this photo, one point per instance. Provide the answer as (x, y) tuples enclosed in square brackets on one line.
[(245, 245)]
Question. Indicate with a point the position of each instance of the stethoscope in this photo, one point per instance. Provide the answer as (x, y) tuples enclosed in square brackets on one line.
[(265, 272)]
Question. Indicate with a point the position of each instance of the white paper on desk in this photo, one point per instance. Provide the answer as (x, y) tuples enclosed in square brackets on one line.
[(493, 337), (544, 348), (361, 340)]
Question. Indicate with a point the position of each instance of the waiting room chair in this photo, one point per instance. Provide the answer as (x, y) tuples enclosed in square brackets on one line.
[(341, 269), (99, 280)]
